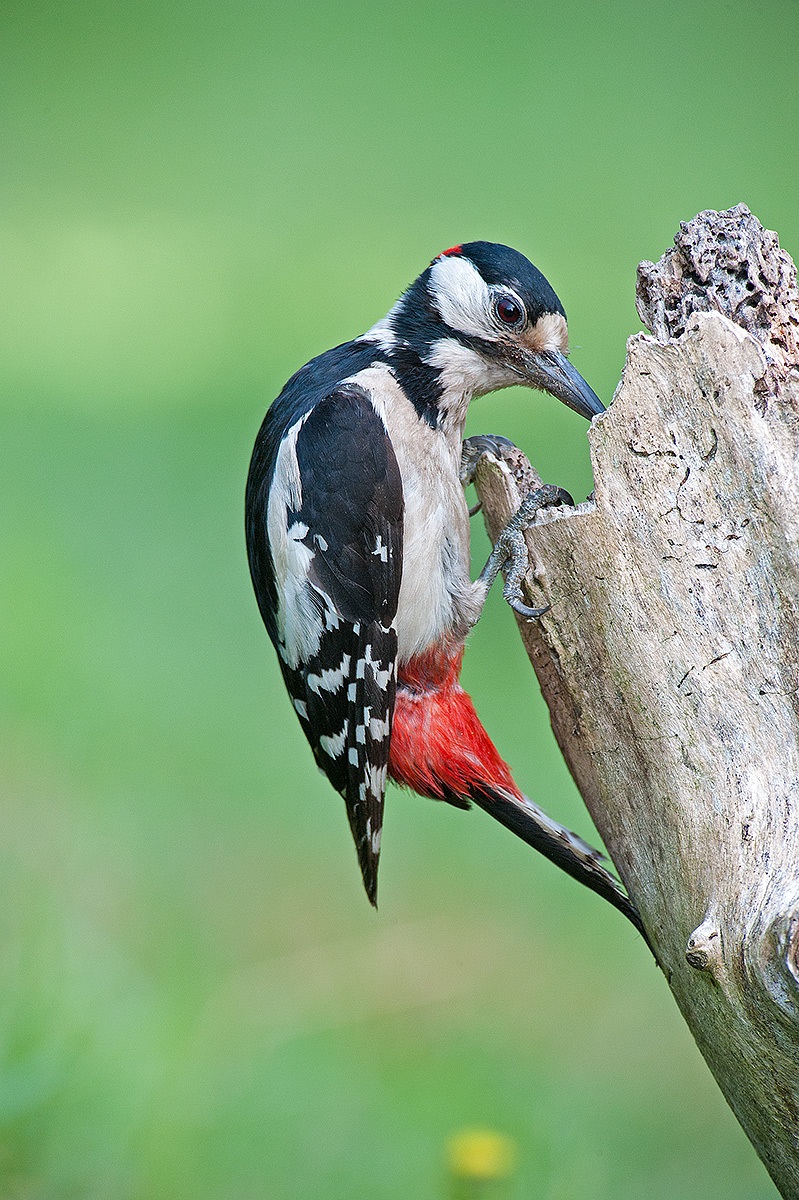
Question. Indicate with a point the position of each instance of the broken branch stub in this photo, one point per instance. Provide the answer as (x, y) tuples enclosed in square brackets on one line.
[(670, 655)]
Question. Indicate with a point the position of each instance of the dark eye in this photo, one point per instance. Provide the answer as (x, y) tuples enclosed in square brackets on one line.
[(509, 311)]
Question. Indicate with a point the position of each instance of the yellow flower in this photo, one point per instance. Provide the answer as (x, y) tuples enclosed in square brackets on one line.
[(480, 1154)]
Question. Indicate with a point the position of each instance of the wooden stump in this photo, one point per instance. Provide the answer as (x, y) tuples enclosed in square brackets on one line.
[(670, 656)]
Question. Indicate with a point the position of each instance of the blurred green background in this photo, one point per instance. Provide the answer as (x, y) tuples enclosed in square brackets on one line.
[(195, 998)]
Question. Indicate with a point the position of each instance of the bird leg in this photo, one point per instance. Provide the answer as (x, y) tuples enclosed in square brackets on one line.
[(510, 550)]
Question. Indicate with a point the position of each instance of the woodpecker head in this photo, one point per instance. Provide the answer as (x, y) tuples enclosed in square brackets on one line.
[(482, 317)]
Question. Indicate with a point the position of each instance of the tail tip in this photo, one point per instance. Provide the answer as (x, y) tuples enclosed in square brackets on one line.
[(368, 863)]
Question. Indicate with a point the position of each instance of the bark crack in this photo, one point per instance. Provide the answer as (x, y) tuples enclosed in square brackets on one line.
[(670, 682)]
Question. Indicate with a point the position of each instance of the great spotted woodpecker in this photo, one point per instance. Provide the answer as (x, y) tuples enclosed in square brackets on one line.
[(358, 541)]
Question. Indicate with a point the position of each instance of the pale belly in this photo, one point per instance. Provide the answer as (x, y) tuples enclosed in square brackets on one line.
[(437, 599)]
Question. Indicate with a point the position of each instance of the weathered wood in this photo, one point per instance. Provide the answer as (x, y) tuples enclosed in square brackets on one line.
[(670, 656)]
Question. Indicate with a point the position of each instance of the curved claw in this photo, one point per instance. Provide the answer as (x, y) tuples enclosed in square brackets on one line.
[(549, 495), (529, 614), (475, 447)]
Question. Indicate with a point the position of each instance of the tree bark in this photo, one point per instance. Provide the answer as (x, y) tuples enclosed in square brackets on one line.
[(670, 655)]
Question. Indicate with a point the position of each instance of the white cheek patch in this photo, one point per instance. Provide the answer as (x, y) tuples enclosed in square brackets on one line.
[(465, 373), (462, 296)]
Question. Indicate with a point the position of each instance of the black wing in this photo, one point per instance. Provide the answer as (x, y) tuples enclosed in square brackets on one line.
[(325, 542)]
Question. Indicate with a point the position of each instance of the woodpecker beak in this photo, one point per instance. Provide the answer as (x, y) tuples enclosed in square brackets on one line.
[(551, 371)]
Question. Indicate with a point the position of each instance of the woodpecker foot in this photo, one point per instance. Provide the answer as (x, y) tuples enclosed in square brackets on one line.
[(473, 450), (549, 495), (510, 552)]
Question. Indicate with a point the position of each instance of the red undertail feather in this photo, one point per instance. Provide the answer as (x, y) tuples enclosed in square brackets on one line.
[(438, 746), (440, 749)]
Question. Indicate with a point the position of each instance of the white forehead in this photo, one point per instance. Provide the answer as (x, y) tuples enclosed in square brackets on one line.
[(462, 296)]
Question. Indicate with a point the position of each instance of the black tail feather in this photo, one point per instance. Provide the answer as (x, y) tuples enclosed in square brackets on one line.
[(562, 847)]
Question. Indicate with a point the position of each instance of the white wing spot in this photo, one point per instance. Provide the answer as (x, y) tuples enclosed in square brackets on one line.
[(381, 677), (378, 729), (376, 780), (331, 679), (302, 709), (335, 744)]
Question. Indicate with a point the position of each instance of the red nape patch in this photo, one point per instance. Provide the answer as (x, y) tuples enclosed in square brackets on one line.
[(452, 250), (437, 742)]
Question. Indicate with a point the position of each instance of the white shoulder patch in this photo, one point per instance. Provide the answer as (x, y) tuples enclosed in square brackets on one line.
[(298, 619)]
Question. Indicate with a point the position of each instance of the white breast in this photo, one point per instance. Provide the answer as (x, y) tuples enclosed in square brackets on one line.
[(436, 595)]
